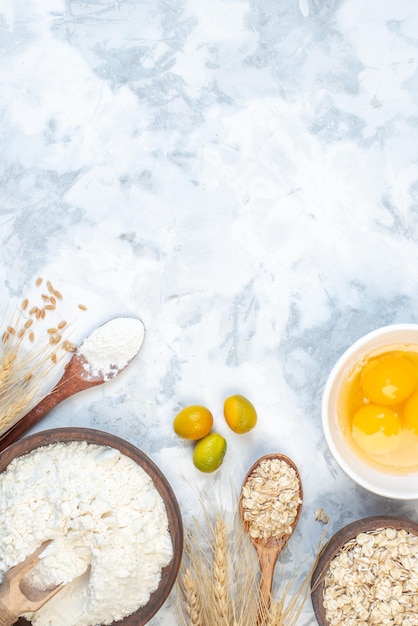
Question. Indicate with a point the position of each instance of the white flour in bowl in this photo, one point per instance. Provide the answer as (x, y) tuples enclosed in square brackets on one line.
[(111, 346), (108, 526)]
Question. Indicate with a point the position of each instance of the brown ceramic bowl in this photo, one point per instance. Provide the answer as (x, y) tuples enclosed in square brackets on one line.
[(337, 541), (170, 571)]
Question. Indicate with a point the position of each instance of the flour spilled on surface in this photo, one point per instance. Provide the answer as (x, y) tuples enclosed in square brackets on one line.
[(107, 522), (111, 346)]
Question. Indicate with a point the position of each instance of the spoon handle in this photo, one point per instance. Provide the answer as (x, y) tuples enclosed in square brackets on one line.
[(31, 418), (267, 556), (68, 385)]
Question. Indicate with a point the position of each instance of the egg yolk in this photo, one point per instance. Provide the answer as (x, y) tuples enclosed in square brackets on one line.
[(388, 380), (376, 429), (410, 413)]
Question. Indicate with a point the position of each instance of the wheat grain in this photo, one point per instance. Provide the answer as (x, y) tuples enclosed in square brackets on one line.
[(68, 346), (38, 281), (82, 307)]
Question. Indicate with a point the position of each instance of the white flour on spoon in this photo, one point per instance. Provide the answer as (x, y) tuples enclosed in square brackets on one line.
[(111, 346)]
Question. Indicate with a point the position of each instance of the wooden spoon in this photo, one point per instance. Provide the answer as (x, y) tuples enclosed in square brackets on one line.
[(268, 550), (17, 596), (78, 376)]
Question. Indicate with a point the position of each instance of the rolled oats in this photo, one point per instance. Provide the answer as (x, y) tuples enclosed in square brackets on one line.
[(376, 575), (271, 499)]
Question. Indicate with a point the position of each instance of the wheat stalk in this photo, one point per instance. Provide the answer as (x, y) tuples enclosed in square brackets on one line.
[(220, 574), (218, 582), (193, 604), (27, 360)]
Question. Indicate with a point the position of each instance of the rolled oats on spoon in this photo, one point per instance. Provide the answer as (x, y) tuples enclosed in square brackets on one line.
[(270, 506)]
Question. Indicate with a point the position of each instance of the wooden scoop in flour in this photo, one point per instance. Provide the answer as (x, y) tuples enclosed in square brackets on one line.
[(86, 369), (17, 596)]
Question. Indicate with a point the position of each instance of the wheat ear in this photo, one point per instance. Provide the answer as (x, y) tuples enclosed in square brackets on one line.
[(192, 598), (220, 573)]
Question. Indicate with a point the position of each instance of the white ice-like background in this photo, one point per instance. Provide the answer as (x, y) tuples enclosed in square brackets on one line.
[(241, 175)]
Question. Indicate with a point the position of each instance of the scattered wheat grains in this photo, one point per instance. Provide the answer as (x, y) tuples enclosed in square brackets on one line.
[(271, 499), (20, 378)]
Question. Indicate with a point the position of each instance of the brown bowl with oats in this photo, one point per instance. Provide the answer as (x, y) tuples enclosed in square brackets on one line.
[(111, 515), (367, 573)]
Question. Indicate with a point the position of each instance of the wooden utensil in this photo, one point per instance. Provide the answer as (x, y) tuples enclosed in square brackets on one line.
[(268, 550), (77, 377), (17, 596)]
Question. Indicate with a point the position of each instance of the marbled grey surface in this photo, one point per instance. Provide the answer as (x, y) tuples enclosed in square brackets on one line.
[(242, 175)]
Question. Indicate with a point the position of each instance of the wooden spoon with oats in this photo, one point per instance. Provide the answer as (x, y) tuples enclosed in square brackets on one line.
[(270, 505)]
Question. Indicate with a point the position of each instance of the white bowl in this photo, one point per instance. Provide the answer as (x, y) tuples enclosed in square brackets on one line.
[(402, 487)]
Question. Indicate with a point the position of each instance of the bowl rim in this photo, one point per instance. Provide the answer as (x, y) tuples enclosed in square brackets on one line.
[(175, 524), (337, 541), (344, 358)]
